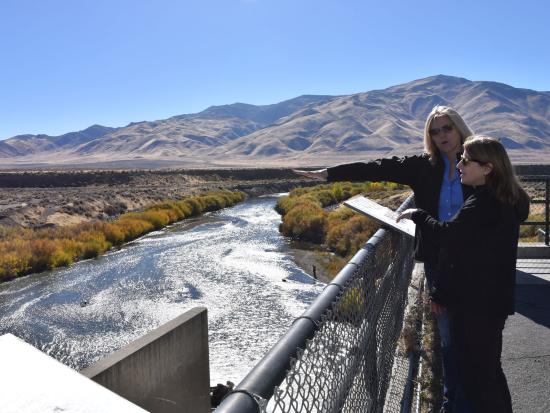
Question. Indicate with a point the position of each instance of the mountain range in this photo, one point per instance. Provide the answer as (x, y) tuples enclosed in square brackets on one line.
[(307, 130)]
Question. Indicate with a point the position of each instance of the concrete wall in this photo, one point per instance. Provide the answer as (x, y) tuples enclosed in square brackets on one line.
[(163, 371)]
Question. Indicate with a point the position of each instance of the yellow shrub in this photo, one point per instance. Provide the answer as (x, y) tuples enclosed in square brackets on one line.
[(194, 205), (185, 208), (306, 222), (132, 226), (170, 208), (93, 243), (159, 219), (42, 251), (60, 258), (210, 202), (285, 204), (113, 232), (12, 264)]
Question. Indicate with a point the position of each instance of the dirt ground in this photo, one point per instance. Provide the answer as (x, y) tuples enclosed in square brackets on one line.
[(59, 198)]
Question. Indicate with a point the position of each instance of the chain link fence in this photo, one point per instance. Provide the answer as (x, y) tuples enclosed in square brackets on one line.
[(339, 355), (536, 228), (347, 365)]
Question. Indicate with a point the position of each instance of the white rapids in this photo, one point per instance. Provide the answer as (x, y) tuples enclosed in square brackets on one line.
[(233, 262)]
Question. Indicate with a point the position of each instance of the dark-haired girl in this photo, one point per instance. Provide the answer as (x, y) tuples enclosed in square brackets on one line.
[(477, 268)]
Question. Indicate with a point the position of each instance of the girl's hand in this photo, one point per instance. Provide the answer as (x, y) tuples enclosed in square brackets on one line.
[(317, 174), (406, 214)]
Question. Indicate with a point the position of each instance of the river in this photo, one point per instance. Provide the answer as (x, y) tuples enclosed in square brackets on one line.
[(232, 261)]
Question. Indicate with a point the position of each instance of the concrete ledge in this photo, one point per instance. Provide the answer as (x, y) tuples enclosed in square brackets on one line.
[(166, 371), (533, 250), (31, 381)]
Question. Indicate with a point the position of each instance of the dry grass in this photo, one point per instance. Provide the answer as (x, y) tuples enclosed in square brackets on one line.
[(431, 380)]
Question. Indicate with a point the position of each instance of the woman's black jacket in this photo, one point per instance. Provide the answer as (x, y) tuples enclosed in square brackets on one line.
[(424, 178), (477, 264)]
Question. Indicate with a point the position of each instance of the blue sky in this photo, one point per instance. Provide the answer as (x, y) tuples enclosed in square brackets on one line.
[(66, 65)]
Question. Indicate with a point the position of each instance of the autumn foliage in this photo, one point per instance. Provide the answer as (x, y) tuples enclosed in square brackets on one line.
[(24, 250), (305, 215)]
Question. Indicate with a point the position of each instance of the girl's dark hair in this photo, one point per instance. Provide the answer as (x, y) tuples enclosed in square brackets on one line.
[(501, 181)]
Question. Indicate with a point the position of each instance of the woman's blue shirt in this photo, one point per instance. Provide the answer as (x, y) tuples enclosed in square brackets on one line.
[(450, 197)]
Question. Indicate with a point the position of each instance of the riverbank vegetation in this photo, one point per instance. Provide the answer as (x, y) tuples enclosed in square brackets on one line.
[(25, 250), (306, 216)]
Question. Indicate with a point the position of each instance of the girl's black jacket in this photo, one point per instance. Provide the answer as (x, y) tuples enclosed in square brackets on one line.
[(477, 263), (424, 178)]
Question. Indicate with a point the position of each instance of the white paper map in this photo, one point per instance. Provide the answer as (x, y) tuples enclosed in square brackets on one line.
[(379, 212)]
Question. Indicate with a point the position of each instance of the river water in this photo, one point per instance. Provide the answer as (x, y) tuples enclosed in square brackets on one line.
[(232, 261)]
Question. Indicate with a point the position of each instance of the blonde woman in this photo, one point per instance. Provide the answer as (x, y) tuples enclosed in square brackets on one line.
[(477, 268), (435, 181)]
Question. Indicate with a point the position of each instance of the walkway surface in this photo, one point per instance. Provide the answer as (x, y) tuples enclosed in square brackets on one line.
[(526, 347)]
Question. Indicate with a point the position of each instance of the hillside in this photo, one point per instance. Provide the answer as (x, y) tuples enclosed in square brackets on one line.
[(307, 130)]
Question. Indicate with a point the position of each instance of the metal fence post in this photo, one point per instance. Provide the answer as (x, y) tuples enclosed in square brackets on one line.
[(547, 226)]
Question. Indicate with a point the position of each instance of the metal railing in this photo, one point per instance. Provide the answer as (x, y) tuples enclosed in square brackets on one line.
[(338, 355), (538, 188)]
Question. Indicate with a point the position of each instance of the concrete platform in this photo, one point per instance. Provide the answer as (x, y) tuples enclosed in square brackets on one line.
[(33, 382), (532, 271), (526, 346)]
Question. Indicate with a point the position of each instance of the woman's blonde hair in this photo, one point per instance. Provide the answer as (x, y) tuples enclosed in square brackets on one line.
[(437, 112), (501, 181)]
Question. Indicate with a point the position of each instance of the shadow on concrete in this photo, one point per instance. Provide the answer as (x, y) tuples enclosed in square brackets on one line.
[(533, 298)]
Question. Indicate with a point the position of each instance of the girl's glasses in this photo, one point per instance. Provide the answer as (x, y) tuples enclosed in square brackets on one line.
[(465, 161)]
